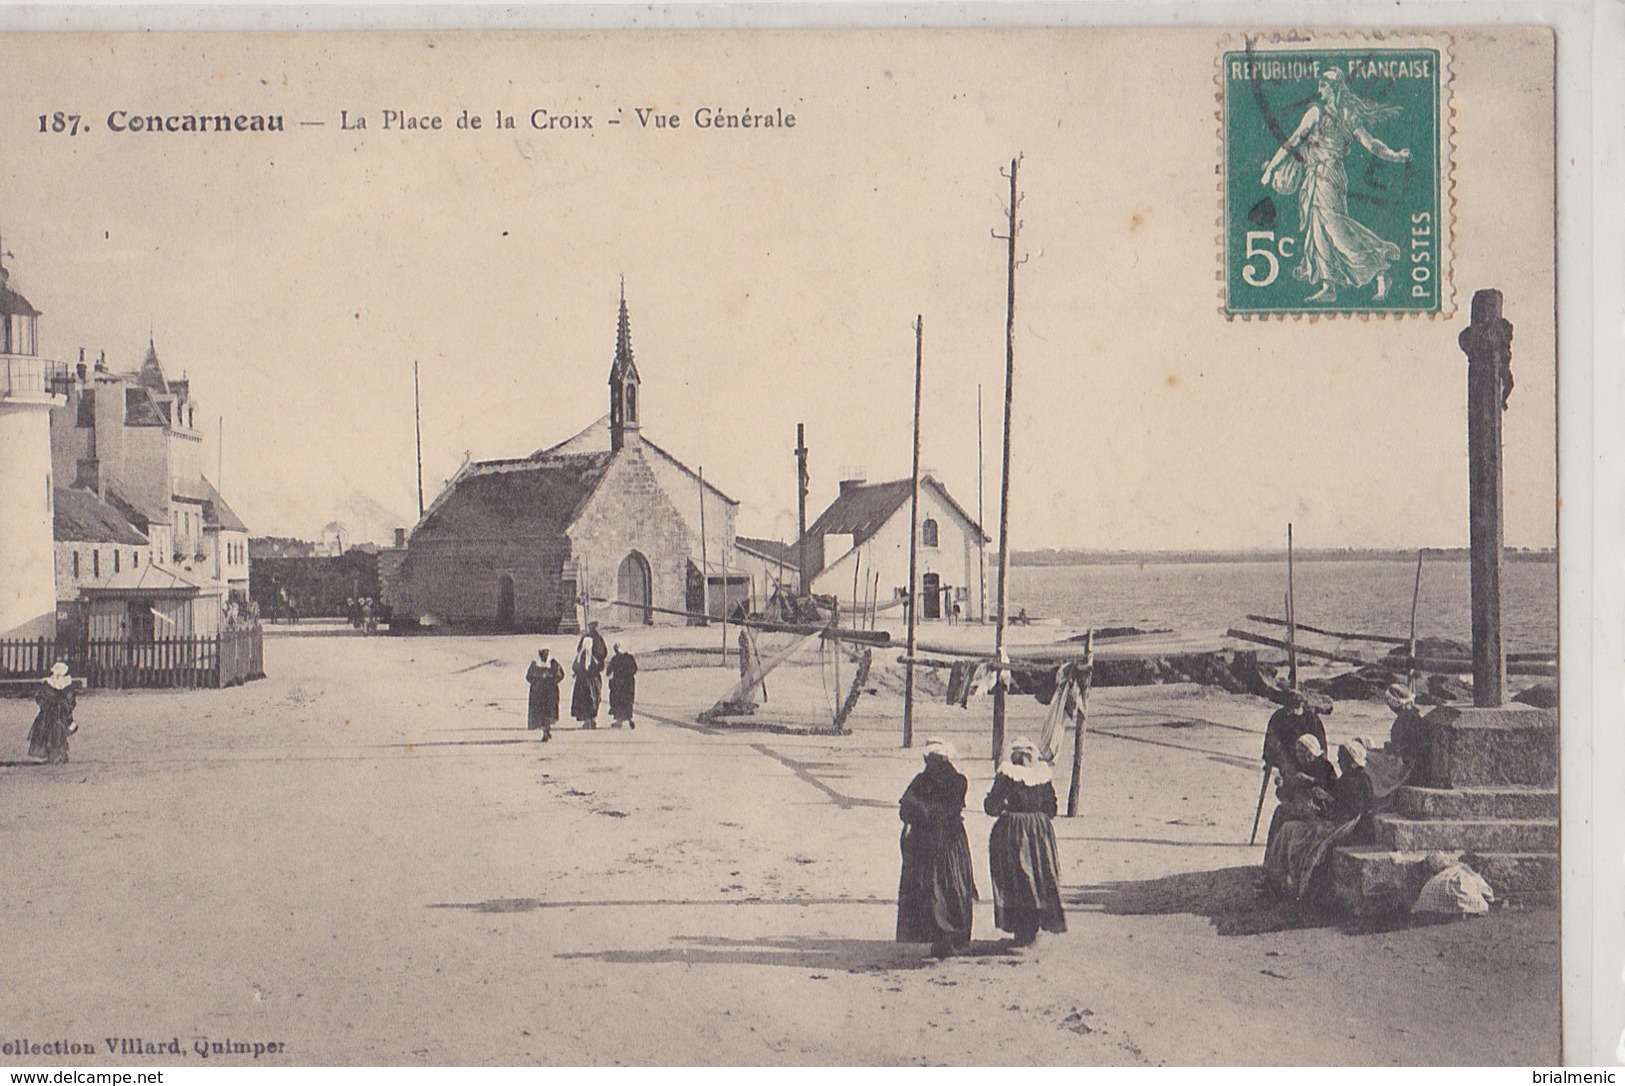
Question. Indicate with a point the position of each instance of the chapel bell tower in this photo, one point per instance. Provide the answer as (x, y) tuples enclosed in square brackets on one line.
[(623, 385)]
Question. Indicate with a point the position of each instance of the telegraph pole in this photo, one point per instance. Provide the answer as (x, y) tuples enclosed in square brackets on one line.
[(913, 547), (417, 416), (801, 509), (705, 565), (981, 547), (1004, 484)]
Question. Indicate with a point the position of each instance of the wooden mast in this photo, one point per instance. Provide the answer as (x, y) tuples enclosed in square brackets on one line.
[(981, 519), (417, 417), (705, 565), (913, 543), (1004, 483), (1291, 616), (801, 509)]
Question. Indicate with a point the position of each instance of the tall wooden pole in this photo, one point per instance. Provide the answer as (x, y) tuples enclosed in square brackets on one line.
[(981, 545), (1291, 616), (726, 595), (705, 565), (1416, 597), (857, 565), (1487, 342), (801, 509), (913, 599), (1004, 483), (417, 418), (1074, 792)]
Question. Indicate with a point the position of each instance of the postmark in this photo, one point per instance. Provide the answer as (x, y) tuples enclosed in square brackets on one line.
[(1335, 164)]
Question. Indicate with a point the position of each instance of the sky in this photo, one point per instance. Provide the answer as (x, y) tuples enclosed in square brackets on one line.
[(773, 276)]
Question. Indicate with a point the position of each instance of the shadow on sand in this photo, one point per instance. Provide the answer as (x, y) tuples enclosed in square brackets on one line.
[(531, 904), (1233, 898), (845, 955)]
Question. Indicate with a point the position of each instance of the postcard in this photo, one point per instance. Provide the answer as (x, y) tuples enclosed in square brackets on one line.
[(796, 547)]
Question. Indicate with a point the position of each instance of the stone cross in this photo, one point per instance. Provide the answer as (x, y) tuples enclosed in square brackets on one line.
[(1487, 342)]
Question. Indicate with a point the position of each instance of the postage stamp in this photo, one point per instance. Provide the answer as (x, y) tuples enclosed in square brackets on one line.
[(1336, 171)]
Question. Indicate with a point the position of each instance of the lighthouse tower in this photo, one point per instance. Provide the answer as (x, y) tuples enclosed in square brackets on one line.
[(29, 389)]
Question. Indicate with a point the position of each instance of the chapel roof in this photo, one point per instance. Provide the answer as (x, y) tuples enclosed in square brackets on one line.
[(528, 495)]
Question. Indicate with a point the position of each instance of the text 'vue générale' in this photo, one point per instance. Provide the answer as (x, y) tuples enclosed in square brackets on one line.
[(571, 121)]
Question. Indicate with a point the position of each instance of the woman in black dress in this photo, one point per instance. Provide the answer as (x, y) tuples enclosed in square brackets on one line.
[(935, 894), (544, 677), (1021, 849), (48, 738), (622, 673)]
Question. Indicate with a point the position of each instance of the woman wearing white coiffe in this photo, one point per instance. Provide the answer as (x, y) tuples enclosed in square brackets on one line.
[(48, 738), (1021, 849), (1337, 251)]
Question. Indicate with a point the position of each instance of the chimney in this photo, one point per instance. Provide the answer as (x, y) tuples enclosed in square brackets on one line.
[(400, 537), (82, 370), (853, 476)]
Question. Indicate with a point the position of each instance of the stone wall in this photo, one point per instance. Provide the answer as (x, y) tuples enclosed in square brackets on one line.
[(453, 571), (630, 511)]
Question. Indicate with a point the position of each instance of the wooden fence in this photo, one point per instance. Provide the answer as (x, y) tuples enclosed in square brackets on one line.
[(229, 658)]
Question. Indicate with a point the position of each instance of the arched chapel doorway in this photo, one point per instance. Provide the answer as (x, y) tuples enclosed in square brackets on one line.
[(634, 587)]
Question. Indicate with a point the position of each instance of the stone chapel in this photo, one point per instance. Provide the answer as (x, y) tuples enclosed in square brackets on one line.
[(541, 542)]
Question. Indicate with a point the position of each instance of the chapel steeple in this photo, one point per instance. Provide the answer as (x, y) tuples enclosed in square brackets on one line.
[(623, 384)]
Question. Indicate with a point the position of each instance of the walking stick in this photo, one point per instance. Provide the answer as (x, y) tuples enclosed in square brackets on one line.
[(1263, 787)]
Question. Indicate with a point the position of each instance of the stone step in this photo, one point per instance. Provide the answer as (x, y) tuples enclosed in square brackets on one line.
[(1476, 803), (1489, 748), (1519, 873), (1483, 835), (1369, 881)]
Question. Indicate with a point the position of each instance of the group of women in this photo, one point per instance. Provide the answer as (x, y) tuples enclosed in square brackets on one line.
[(593, 663), (937, 891), (1320, 808)]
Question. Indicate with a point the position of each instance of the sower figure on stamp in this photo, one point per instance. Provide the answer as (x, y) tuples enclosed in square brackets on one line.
[(544, 677), (1337, 251)]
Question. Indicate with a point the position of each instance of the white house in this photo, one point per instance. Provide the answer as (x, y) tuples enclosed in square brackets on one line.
[(30, 386), (865, 531)]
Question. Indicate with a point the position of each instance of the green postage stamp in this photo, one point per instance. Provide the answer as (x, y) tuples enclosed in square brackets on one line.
[(1336, 160)]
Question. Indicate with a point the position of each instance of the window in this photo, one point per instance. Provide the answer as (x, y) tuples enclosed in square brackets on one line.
[(96, 562), (135, 559), (928, 533), (115, 561), (76, 565)]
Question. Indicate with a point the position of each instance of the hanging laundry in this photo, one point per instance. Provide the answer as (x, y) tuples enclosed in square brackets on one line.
[(966, 678), (1039, 682), (1065, 709)]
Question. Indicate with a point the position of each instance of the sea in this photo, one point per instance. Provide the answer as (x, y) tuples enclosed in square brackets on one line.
[(1354, 596)]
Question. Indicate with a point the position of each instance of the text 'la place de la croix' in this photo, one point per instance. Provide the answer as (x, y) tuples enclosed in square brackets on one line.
[(548, 120)]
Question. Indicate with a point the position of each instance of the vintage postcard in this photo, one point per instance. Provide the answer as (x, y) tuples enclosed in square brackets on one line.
[(767, 547)]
